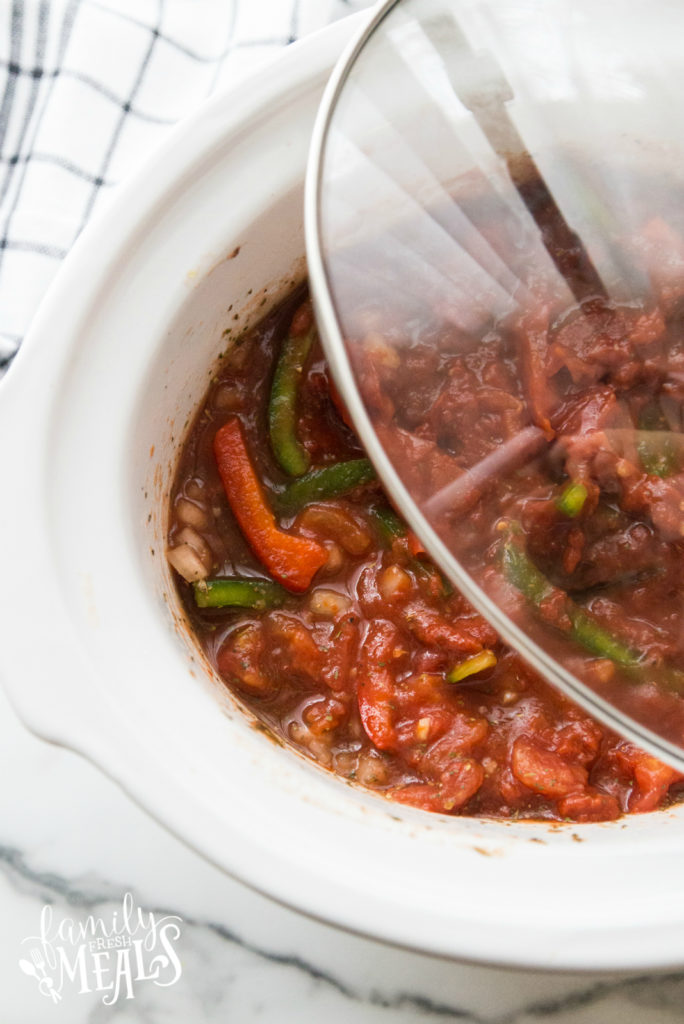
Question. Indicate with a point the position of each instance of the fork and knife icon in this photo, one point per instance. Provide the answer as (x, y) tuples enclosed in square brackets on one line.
[(36, 969)]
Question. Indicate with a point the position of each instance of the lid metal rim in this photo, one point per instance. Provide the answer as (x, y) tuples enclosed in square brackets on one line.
[(336, 353)]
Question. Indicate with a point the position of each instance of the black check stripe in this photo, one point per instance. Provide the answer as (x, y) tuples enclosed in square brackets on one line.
[(85, 79), (64, 38), (35, 84), (202, 58), (18, 70), (15, 50), (294, 22), (53, 251), (65, 165), (227, 48), (124, 112)]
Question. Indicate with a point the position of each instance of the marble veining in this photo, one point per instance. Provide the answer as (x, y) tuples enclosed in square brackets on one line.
[(228, 976)]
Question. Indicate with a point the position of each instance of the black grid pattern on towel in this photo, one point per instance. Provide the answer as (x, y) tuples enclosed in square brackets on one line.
[(87, 88)]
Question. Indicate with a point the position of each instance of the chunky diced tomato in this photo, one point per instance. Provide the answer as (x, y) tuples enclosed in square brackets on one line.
[(652, 779), (589, 805), (579, 740), (432, 628), (325, 715), (464, 734), (239, 659), (292, 646), (341, 653), (375, 684), (545, 772), (458, 784)]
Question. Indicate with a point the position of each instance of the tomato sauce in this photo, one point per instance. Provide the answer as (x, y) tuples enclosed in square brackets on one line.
[(375, 667), (546, 449)]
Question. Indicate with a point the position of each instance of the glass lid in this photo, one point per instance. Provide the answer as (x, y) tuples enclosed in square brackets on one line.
[(495, 232)]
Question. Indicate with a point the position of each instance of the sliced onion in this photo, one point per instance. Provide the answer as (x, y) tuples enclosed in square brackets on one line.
[(393, 583), (187, 563), (335, 557), (371, 770), (191, 537), (329, 603), (190, 514)]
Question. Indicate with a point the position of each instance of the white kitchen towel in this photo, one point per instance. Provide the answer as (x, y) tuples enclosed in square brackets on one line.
[(88, 88)]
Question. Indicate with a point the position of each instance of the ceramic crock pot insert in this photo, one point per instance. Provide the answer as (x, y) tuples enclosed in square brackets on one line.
[(206, 238)]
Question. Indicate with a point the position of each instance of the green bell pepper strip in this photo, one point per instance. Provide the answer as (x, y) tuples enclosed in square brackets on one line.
[(387, 523), (290, 453), (428, 572), (238, 593), (658, 453), (326, 482), (471, 666), (571, 501), (521, 571), (587, 632)]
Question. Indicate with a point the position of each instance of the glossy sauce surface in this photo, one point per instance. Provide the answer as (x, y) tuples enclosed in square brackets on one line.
[(355, 671), (546, 449)]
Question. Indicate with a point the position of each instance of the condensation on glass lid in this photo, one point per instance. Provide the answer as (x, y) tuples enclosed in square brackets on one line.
[(496, 242)]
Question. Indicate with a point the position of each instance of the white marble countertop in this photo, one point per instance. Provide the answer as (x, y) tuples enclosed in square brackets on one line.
[(70, 838)]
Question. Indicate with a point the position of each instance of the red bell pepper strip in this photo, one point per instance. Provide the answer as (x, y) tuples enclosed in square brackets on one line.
[(415, 545), (292, 561), (375, 683)]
